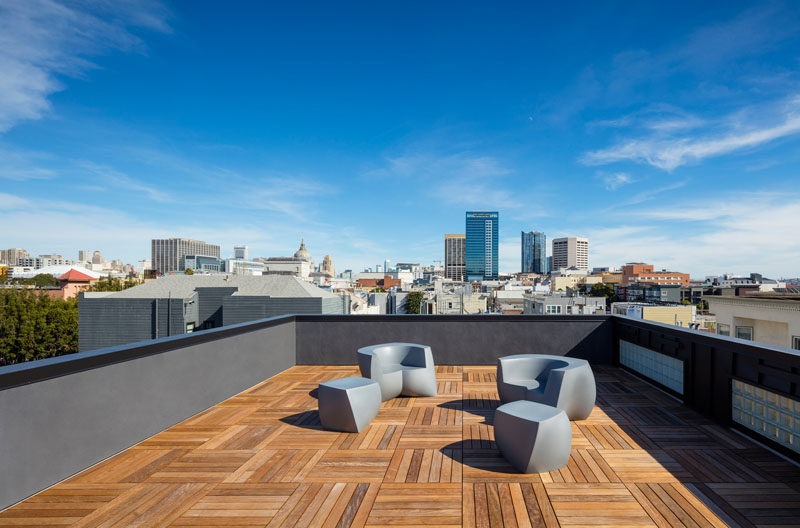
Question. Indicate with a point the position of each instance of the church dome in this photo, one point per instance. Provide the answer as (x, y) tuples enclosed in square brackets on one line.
[(303, 253)]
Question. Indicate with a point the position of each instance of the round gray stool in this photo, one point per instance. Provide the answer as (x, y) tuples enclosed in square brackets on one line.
[(348, 404), (533, 437)]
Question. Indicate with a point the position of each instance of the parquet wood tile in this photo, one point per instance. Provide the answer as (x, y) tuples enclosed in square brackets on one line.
[(417, 505), (262, 458)]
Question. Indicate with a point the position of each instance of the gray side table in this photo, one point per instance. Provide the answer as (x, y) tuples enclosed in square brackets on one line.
[(533, 437), (348, 404)]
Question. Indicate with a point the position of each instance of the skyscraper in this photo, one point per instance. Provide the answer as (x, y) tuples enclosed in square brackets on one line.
[(534, 249), (167, 253), (571, 252), (454, 256), (481, 250)]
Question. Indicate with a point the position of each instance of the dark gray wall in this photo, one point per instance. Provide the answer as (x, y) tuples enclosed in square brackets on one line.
[(210, 301), (106, 322), (61, 415), (455, 340)]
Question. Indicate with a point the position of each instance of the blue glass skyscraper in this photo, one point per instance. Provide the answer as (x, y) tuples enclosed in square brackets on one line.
[(534, 248), (482, 235)]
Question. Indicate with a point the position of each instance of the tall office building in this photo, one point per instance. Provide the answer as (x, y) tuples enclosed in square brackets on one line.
[(167, 253), (454, 257), (571, 252), (240, 252), (386, 267), (481, 251), (84, 256), (534, 252)]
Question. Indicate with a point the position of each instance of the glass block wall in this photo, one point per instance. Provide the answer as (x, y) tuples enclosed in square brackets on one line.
[(664, 369), (772, 415)]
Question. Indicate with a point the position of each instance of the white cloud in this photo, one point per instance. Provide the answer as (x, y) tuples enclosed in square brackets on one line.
[(120, 180), (737, 234), (669, 153), (616, 180), (42, 39)]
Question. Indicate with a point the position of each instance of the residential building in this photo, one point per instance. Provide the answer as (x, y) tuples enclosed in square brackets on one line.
[(457, 304), (773, 318), (570, 252), (44, 261), (481, 245), (178, 304), (534, 252), (565, 282), (509, 301), (650, 293), (167, 253), (241, 253), (13, 255), (684, 315), (454, 256), (563, 304), (385, 282), (641, 272)]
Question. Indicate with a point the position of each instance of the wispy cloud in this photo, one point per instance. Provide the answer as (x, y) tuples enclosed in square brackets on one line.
[(725, 235), (616, 180), (43, 39), (21, 165), (120, 180), (671, 152), (462, 179)]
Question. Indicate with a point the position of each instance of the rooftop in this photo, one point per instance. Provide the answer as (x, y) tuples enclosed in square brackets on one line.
[(183, 286), (261, 458), (258, 456)]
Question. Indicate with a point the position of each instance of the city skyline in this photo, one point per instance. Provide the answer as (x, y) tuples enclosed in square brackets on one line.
[(669, 134)]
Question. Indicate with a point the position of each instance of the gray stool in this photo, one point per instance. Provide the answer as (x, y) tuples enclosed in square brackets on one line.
[(348, 404), (533, 437)]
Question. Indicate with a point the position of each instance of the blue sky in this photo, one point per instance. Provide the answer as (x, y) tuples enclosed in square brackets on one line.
[(665, 132)]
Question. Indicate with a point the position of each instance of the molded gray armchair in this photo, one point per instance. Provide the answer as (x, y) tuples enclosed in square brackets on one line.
[(562, 382), (399, 368)]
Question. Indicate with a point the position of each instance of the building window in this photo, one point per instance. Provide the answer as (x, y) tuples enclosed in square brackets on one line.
[(796, 342), (723, 329), (189, 328), (744, 332), (553, 309)]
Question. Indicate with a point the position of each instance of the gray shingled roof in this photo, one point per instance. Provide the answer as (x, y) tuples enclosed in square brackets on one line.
[(183, 286)]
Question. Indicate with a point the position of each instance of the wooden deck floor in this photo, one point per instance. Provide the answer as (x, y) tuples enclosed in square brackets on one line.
[(262, 459)]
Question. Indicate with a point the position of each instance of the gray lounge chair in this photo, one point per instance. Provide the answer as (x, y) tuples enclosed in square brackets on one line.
[(558, 381), (348, 404), (533, 437), (399, 368)]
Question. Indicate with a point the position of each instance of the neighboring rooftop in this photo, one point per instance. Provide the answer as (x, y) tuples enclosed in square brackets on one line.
[(183, 286)]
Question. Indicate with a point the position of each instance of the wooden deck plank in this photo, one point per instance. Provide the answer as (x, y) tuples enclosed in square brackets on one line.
[(262, 458)]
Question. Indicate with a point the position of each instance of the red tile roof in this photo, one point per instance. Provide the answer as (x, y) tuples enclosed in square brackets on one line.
[(74, 275)]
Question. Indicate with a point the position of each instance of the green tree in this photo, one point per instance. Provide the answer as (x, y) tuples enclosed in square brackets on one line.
[(42, 280), (34, 326), (413, 302), (111, 284), (377, 290), (604, 290), (188, 271)]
